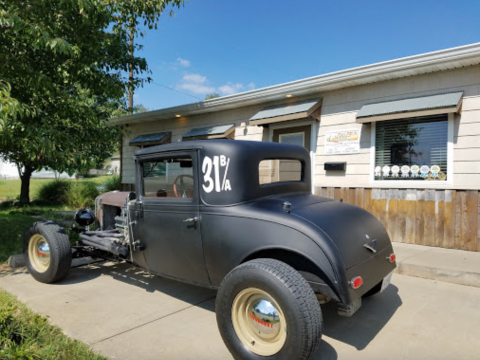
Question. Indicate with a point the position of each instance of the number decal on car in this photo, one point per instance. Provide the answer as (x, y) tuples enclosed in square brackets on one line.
[(219, 182)]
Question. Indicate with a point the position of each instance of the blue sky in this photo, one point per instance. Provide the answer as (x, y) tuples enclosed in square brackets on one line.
[(228, 46)]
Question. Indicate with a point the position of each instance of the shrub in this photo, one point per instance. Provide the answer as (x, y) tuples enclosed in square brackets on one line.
[(82, 193), (74, 194), (54, 192), (112, 184)]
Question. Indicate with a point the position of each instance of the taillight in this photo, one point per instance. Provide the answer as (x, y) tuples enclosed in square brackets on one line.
[(356, 282), (392, 257)]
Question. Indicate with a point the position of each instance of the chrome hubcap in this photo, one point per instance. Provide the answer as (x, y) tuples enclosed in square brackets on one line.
[(43, 252), (259, 322), (265, 318), (39, 253)]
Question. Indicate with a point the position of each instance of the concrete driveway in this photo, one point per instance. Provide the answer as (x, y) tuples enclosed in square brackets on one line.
[(124, 313)]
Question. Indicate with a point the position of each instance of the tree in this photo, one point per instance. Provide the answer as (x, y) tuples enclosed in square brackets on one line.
[(139, 109), (212, 96), (62, 78)]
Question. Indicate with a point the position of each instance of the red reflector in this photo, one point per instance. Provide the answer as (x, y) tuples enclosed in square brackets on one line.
[(392, 258), (356, 282)]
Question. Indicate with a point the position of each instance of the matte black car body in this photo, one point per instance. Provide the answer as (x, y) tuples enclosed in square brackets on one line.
[(321, 238)]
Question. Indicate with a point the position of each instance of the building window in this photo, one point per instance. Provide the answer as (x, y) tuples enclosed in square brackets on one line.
[(412, 149), (279, 170)]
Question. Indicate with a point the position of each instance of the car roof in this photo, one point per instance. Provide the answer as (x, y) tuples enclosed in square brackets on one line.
[(238, 168), (239, 145)]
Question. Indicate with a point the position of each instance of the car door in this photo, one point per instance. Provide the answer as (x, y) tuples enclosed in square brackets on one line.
[(167, 217)]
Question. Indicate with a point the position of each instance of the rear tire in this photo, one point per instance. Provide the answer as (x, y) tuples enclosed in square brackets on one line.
[(266, 310), (47, 252)]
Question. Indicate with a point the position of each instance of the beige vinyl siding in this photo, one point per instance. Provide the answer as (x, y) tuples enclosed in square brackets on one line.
[(180, 126), (339, 111)]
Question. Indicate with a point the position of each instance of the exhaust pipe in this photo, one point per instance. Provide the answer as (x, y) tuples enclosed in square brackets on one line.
[(105, 244)]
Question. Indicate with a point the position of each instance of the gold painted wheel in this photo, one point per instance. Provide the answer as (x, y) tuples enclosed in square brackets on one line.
[(39, 253), (259, 322)]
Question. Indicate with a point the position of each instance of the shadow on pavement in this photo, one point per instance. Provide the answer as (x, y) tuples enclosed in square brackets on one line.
[(128, 274), (357, 331), (360, 329)]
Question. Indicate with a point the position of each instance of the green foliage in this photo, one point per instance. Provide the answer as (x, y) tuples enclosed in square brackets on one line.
[(74, 194), (82, 194), (62, 77), (112, 184), (25, 335), (54, 192), (139, 109), (16, 218), (212, 96)]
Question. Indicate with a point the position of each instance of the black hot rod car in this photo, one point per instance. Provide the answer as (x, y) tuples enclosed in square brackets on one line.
[(236, 216)]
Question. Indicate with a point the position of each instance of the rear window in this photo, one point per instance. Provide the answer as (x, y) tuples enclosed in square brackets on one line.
[(279, 170)]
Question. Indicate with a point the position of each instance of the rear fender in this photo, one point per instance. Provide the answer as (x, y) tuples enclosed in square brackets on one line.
[(316, 276)]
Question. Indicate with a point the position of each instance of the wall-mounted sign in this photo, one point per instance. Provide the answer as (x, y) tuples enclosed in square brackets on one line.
[(339, 142)]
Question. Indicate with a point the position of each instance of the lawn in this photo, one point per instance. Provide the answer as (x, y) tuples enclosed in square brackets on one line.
[(10, 189), (26, 335), (15, 221)]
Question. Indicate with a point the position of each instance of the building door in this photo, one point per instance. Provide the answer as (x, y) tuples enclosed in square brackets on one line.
[(298, 135)]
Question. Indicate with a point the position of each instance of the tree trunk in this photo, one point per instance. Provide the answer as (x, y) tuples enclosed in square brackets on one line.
[(25, 188)]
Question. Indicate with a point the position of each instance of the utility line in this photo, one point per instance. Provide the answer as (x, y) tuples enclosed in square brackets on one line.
[(169, 88)]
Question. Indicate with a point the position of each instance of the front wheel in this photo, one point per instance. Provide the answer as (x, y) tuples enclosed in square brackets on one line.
[(266, 309), (47, 252)]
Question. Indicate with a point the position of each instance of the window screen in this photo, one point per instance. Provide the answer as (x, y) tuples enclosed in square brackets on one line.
[(168, 178), (278, 170), (411, 149)]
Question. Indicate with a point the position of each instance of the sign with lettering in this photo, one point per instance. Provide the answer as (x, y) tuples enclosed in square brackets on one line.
[(339, 142)]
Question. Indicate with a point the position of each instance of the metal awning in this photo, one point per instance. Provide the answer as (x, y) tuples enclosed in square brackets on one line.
[(412, 107), (210, 132), (284, 112), (151, 139)]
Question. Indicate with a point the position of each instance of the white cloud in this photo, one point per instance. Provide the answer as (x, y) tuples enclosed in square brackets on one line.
[(230, 88), (194, 78), (183, 62), (199, 84), (197, 88), (195, 83)]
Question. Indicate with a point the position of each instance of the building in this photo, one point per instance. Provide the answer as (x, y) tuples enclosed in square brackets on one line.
[(399, 138)]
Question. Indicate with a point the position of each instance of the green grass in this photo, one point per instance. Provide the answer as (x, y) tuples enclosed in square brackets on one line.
[(10, 189), (26, 335), (16, 220)]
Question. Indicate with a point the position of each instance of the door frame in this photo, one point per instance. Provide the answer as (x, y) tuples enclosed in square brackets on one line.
[(313, 139)]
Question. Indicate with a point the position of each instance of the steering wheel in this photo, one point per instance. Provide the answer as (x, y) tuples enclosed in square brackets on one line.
[(179, 186)]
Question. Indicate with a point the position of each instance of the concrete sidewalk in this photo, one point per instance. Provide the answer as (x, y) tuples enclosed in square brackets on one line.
[(447, 265), (124, 313)]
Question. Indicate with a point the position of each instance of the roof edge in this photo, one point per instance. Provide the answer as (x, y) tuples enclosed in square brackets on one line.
[(343, 78)]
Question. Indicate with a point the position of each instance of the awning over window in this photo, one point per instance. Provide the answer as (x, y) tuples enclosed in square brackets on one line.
[(151, 139), (211, 132), (419, 106), (284, 112)]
